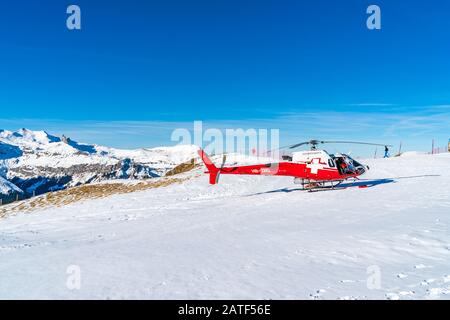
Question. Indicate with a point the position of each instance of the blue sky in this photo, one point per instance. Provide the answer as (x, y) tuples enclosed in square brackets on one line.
[(138, 69)]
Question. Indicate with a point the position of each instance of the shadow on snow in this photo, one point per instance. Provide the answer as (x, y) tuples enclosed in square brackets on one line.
[(367, 183)]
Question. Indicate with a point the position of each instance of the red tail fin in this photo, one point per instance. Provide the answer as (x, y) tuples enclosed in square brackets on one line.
[(213, 171)]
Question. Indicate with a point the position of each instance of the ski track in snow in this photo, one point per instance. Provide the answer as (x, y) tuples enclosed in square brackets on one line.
[(246, 238)]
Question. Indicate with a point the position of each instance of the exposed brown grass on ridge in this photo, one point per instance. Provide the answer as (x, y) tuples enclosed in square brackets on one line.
[(88, 191), (181, 168)]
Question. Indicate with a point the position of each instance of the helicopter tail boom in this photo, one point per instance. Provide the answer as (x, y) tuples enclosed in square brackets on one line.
[(213, 171)]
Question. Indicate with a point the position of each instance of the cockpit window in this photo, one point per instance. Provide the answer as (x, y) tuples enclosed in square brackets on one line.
[(346, 164), (353, 161)]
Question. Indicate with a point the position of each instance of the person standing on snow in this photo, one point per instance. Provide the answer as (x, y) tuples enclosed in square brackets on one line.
[(386, 152)]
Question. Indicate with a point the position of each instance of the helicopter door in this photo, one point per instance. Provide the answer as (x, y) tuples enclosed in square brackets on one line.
[(340, 164), (344, 166)]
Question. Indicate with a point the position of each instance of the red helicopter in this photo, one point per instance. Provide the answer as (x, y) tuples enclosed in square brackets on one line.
[(312, 169)]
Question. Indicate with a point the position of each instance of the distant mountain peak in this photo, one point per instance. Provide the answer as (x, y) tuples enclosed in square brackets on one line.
[(25, 135)]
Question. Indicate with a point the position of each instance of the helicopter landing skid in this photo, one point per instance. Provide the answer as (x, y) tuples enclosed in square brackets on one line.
[(320, 185)]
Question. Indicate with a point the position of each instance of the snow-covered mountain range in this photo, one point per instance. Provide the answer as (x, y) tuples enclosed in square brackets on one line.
[(35, 162)]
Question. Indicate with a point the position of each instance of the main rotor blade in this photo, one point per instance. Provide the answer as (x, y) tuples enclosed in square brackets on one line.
[(355, 142), (299, 144), (317, 142)]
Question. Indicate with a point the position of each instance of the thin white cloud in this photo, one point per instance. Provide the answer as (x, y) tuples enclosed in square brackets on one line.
[(415, 129)]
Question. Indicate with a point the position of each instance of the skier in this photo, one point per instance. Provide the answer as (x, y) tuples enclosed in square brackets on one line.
[(386, 152)]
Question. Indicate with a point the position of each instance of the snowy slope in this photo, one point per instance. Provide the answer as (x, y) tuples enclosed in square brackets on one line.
[(248, 237)]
